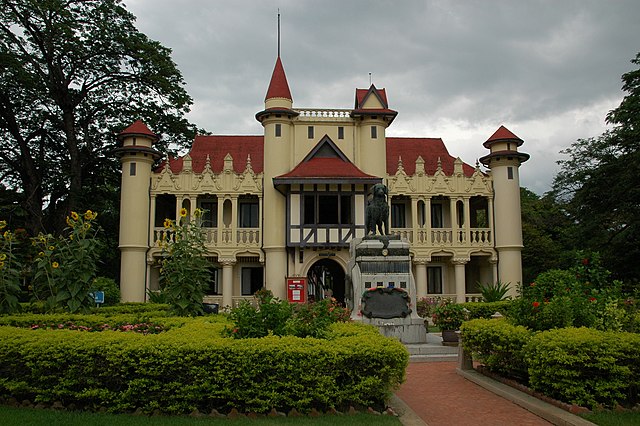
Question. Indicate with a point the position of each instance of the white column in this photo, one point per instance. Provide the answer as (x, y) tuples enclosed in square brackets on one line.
[(227, 282), (460, 279), (427, 220), (454, 220), (492, 229), (421, 277), (467, 220)]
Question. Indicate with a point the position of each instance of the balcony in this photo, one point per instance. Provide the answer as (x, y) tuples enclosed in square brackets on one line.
[(445, 237), (216, 237)]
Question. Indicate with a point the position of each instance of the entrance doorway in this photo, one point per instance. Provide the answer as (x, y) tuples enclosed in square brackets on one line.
[(326, 279)]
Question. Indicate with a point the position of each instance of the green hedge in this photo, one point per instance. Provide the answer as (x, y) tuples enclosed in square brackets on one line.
[(193, 367), (486, 309), (498, 345), (585, 366)]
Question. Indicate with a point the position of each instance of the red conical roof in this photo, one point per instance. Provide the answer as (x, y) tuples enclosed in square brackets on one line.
[(503, 134), (278, 87), (138, 128)]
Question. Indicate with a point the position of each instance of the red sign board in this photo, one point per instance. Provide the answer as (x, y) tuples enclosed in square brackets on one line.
[(297, 290)]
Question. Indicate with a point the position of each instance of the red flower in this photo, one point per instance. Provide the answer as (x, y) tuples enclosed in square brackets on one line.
[(592, 299), (532, 285), (536, 304), (585, 261)]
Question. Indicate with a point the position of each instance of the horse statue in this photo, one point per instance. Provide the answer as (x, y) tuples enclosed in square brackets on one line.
[(377, 213)]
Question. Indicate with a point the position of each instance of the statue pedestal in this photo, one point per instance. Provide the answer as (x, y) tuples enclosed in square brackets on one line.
[(383, 289)]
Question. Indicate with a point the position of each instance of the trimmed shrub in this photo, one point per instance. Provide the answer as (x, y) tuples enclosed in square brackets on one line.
[(498, 345), (585, 366), (194, 367), (486, 309)]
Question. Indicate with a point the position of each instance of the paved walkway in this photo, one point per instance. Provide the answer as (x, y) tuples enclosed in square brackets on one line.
[(441, 397)]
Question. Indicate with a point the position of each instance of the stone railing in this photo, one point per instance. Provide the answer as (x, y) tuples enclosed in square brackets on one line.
[(404, 233), (441, 236), (246, 237), (319, 113), (480, 237)]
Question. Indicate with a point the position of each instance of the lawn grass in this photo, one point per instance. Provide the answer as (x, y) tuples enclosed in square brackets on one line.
[(612, 418), (13, 416)]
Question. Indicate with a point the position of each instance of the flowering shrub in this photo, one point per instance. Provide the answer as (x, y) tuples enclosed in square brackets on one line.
[(66, 265), (280, 318), (581, 296), (425, 306), (185, 270), (9, 271), (449, 315), (142, 328)]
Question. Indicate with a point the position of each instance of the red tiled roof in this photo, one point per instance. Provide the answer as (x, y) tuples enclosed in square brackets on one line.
[(278, 87), (503, 134), (430, 149), (138, 128), (362, 93), (326, 168), (217, 147)]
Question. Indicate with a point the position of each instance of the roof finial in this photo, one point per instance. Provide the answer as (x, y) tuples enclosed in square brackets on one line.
[(278, 32), (370, 80)]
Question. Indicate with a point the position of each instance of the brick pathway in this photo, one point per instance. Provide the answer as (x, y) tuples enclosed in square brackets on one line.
[(441, 397)]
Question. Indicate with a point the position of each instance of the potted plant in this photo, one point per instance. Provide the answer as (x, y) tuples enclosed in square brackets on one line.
[(448, 316)]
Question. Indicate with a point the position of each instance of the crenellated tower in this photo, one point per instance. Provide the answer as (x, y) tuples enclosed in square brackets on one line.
[(136, 156), (504, 160)]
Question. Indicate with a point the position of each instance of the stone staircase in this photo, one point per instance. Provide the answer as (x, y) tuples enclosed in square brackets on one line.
[(432, 351)]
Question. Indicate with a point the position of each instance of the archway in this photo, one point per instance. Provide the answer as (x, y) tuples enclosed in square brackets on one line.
[(326, 278)]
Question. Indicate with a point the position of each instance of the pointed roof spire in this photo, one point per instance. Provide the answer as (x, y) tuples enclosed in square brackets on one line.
[(278, 87)]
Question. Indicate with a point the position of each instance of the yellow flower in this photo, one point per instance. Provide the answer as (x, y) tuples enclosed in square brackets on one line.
[(3, 224), (69, 222), (7, 235), (3, 256), (95, 214), (51, 248), (183, 212), (74, 216), (168, 223), (41, 254), (86, 226), (88, 215), (55, 265), (1, 264)]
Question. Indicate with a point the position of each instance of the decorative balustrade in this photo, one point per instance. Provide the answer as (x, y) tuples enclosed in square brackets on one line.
[(247, 237), (319, 113), (480, 237), (404, 233), (441, 236)]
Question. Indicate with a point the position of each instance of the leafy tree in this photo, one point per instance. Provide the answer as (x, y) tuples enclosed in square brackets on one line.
[(72, 74), (600, 184), (547, 235)]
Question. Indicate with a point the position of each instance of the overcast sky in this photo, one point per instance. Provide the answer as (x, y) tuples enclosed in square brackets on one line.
[(547, 70)]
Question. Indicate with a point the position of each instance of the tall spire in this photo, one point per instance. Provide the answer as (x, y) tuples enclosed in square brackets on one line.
[(278, 87)]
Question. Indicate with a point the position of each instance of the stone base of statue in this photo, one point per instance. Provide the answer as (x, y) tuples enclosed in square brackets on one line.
[(382, 287)]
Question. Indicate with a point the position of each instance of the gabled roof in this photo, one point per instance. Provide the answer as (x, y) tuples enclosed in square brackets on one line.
[(138, 128), (325, 163), (278, 86), (363, 94), (503, 135), (217, 147), (430, 149)]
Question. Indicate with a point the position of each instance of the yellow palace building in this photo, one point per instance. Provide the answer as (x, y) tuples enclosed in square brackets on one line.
[(281, 208)]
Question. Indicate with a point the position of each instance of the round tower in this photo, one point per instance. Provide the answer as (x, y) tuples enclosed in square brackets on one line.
[(136, 156), (276, 118), (504, 161)]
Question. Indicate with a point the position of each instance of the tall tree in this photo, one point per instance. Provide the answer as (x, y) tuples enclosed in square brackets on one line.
[(600, 182), (73, 73)]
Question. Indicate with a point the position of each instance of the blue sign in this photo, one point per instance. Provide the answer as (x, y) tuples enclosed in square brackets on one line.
[(98, 296)]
